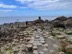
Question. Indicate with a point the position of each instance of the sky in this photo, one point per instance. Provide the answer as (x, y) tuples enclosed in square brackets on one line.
[(11, 10), (35, 7)]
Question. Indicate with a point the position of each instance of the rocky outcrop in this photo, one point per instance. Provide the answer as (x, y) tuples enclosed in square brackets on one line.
[(38, 21), (68, 22), (61, 18), (59, 22)]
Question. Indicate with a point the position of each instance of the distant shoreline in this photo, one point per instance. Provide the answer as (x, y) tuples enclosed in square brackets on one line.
[(13, 19)]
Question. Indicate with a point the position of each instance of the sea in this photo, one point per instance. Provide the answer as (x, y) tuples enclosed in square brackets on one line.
[(12, 19)]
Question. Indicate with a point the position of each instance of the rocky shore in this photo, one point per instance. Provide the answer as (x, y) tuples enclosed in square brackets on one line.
[(37, 37)]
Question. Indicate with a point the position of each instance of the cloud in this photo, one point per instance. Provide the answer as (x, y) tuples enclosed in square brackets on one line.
[(47, 4), (7, 6), (50, 6), (29, 1)]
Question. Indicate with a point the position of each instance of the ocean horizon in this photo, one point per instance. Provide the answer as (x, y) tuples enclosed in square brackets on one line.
[(12, 19)]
